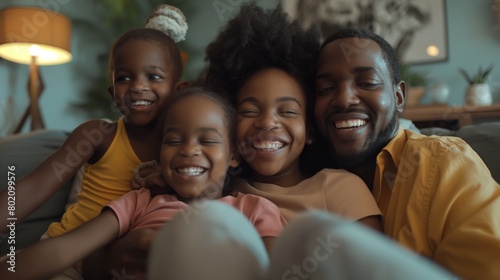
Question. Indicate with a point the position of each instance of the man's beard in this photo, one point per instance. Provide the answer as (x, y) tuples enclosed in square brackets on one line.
[(373, 147)]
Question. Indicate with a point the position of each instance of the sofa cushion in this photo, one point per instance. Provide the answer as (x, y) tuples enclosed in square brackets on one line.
[(25, 152), (439, 131)]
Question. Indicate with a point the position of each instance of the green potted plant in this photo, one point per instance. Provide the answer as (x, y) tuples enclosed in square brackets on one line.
[(416, 81), (478, 92)]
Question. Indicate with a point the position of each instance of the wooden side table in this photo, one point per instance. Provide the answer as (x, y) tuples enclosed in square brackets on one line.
[(449, 117)]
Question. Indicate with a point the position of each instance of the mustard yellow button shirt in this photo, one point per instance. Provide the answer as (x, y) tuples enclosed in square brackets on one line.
[(438, 199)]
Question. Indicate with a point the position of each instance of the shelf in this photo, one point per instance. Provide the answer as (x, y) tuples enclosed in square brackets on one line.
[(465, 115)]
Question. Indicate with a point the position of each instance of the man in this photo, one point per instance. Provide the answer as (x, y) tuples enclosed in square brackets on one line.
[(437, 196)]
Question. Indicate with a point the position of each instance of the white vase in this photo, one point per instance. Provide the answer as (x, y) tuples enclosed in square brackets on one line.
[(439, 93), (478, 95)]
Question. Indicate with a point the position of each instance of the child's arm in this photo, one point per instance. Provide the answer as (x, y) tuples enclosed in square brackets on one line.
[(372, 222), (268, 243), (88, 141), (48, 257), (129, 251)]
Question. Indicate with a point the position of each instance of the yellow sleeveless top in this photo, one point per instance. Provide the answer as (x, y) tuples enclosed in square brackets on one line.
[(103, 181)]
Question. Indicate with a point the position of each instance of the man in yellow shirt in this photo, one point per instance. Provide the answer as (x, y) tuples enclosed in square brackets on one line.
[(437, 196)]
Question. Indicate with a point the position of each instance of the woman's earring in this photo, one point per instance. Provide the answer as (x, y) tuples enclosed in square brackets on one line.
[(309, 141)]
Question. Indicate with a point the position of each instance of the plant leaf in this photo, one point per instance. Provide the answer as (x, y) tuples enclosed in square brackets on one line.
[(487, 71), (464, 73)]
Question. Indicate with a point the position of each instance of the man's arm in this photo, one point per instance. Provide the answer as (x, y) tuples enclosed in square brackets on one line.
[(463, 222)]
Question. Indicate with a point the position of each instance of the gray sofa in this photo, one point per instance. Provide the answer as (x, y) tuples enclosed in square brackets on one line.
[(26, 151)]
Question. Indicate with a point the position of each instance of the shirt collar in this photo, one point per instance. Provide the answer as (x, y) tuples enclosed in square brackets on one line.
[(394, 149)]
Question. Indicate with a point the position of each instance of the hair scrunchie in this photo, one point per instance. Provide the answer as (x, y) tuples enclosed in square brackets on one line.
[(145, 165), (170, 20)]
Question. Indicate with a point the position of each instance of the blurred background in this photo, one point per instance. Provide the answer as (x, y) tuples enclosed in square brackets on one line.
[(76, 91)]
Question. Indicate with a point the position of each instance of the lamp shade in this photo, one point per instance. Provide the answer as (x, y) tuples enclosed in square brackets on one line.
[(28, 31)]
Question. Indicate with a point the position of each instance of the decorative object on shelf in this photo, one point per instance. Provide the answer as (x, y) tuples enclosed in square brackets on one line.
[(416, 82), (478, 93), (34, 36), (438, 93)]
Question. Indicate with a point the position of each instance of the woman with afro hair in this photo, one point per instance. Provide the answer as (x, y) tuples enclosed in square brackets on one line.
[(265, 65)]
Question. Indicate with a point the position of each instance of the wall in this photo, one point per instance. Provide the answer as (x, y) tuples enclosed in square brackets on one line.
[(210, 16), (472, 39), (64, 84)]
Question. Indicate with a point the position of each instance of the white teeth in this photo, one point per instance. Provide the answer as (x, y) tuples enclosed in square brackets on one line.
[(191, 171), (141, 103), (268, 145), (349, 124)]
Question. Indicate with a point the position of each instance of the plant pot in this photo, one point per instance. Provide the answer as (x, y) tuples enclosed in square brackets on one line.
[(439, 93), (414, 95), (478, 95)]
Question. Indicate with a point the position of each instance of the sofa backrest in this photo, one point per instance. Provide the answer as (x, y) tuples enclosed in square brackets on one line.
[(485, 140)]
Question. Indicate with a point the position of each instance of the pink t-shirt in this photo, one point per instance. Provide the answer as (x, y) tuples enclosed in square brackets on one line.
[(137, 209)]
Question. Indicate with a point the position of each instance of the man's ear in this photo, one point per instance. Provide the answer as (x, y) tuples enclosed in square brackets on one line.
[(181, 85), (400, 96)]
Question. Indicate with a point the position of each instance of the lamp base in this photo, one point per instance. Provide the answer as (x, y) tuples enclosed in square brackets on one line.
[(35, 89)]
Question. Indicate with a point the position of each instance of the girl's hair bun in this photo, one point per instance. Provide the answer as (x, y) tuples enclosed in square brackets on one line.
[(170, 20)]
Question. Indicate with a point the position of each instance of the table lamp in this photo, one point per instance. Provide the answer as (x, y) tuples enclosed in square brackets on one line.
[(34, 36)]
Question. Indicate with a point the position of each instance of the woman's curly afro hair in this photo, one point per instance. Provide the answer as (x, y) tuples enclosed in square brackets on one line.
[(256, 39)]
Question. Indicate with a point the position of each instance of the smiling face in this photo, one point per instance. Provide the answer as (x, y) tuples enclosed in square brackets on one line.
[(356, 101), (271, 127), (196, 150), (143, 79)]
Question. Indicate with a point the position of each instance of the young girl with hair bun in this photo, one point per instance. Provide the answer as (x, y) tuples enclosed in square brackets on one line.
[(145, 67)]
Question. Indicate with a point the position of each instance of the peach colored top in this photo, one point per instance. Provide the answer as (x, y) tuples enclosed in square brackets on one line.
[(332, 190)]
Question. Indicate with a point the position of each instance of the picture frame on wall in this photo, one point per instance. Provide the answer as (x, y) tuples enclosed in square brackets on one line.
[(416, 29)]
